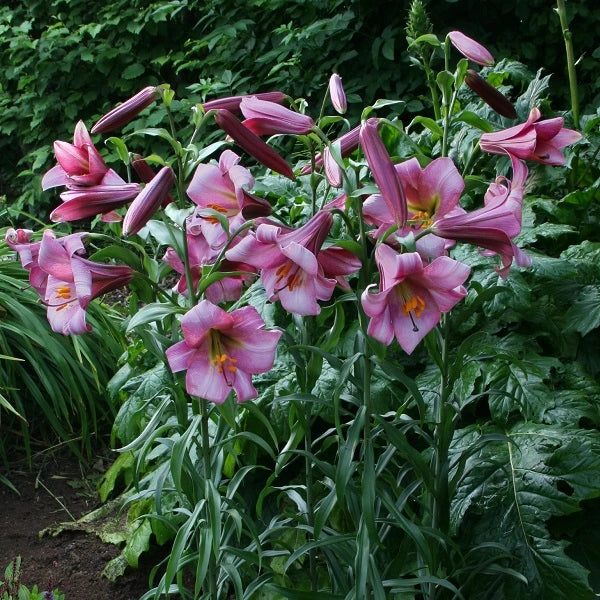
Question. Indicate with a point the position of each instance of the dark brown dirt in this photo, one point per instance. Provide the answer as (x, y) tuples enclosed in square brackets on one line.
[(53, 492)]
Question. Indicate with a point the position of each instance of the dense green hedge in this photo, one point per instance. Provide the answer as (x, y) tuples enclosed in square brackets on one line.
[(61, 61)]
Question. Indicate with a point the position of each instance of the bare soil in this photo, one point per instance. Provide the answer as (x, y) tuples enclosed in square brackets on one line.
[(54, 491)]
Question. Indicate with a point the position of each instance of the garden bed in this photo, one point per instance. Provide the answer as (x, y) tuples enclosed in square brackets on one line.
[(56, 491)]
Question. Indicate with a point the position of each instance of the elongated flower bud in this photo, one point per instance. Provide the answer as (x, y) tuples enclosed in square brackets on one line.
[(333, 171), (122, 114), (147, 174), (147, 201), (337, 94), (252, 144), (383, 171), (232, 103), (268, 118), (490, 95), (348, 144), (471, 49)]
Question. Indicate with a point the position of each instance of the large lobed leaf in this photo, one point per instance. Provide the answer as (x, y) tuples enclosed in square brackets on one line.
[(511, 489)]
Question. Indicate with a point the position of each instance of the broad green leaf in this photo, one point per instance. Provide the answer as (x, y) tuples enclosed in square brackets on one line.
[(512, 489), (584, 313)]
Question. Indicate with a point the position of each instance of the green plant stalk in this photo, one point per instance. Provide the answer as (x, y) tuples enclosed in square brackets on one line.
[(212, 562), (564, 25), (442, 436)]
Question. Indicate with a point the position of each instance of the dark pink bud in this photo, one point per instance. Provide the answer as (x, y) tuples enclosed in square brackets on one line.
[(122, 114), (146, 174), (490, 95), (471, 49), (147, 201), (337, 94), (252, 144)]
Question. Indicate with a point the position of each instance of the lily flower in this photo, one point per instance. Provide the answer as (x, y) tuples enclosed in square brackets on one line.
[(538, 141), (430, 193), (224, 189), (383, 171), (471, 49), (333, 171), (495, 99), (268, 118), (290, 269), (348, 143), (412, 296), (82, 202), (495, 224), (73, 282), (252, 144), (79, 163), (337, 94), (147, 201), (125, 112), (232, 103), (220, 351)]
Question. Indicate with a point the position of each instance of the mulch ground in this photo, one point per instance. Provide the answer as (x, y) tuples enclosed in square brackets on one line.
[(57, 490)]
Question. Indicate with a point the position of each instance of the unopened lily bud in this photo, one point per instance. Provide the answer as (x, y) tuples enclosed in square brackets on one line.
[(269, 118), (337, 94), (232, 103), (147, 201), (252, 144), (122, 114), (490, 95), (146, 173), (471, 49), (333, 171)]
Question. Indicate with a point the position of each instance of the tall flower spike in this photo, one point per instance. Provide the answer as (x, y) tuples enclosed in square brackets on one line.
[(337, 94), (383, 171), (122, 114), (147, 201), (220, 351), (252, 144), (471, 49)]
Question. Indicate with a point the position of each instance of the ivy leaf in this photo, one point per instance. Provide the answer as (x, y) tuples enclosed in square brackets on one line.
[(509, 492)]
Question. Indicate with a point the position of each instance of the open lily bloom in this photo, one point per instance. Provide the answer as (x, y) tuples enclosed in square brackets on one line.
[(412, 295), (495, 224), (74, 281), (222, 189), (79, 163), (290, 269), (82, 202), (220, 351), (432, 192), (535, 140), (268, 118)]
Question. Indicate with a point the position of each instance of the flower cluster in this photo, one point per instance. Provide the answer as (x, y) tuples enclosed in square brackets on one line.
[(231, 237)]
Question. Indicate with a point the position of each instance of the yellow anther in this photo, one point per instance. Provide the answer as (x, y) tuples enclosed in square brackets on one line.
[(63, 289), (231, 368)]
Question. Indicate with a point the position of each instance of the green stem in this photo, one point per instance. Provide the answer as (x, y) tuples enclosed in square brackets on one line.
[(212, 561), (442, 436), (564, 24)]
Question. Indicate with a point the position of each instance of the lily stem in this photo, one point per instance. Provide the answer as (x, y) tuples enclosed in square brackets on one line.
[(564, 24)]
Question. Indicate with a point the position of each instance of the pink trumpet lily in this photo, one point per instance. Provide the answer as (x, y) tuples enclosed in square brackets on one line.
[(74, 281), (82, 202), (224, 190), (293, 268), (493, 226), (268, 118), (535, 140), (232, 103), (471, 49), (220, 351), (79, 163), (412, 296)]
